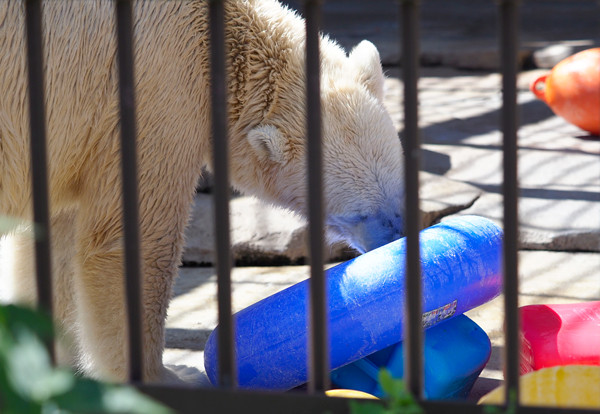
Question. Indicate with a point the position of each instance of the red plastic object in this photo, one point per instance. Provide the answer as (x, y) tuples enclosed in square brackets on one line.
[(572, 89), (566, 334)]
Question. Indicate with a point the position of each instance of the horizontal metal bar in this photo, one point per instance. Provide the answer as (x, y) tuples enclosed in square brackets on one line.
[(219, 401), (460, 407), (129, 177)]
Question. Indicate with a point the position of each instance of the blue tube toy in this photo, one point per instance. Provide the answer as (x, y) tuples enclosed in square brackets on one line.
[(461, 261), (455, 353)]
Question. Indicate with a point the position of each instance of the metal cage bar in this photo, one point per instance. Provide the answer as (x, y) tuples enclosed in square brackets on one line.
[(129, 179), (509, 48), (413, 356), (38, 152), (218, 73), (318, 343)]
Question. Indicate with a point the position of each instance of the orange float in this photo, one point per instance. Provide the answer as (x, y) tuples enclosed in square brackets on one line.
[(572, 89)]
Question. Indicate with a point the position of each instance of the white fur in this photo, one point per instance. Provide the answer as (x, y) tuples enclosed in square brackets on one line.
[(268, 143), (362, 154)]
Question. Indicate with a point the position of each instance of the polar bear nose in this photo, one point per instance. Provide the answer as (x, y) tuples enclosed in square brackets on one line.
[(366, 232), (375, 231)]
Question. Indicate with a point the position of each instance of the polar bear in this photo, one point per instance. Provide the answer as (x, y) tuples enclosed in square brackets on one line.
[(363, 177)]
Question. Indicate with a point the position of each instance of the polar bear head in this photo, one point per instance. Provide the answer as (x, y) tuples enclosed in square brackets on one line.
[(362, 154)]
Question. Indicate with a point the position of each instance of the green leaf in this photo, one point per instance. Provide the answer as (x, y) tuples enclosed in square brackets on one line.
[(84, 397), (359, 407), (491, 409), (29, 384), (400, 399), (126, 399), (14, 318), (12, 402), (30, 370), (394, 388), (390, 386), (89, 396)]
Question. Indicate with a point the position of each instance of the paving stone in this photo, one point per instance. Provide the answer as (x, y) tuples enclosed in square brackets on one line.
[(545, 278), (260, 234), (570, 225), (441, 197), (559, 165)]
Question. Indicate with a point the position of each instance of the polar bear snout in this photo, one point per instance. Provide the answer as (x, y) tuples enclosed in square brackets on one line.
[(376, 231), (365, 233)]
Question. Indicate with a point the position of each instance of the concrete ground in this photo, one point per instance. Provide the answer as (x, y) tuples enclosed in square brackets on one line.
[(559, 168)]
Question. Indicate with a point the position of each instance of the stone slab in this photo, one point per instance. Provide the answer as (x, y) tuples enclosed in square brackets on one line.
[(441, 197), (263, 234), (558, 165), (260, 234)]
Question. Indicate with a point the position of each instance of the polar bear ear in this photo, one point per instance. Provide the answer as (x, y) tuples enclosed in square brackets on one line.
[(366, 62), (268, 142)]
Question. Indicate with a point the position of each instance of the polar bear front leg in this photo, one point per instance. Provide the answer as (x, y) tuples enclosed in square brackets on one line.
[(100, 288), (100, 296)]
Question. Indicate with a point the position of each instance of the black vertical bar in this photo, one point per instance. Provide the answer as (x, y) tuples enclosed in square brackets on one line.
[(227, 371), (39, 177), (413, 331), (509, 63), (319, 344), (133, 282)]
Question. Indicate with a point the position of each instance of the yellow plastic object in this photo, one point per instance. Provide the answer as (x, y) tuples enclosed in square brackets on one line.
[(342, 393), (572, 386)]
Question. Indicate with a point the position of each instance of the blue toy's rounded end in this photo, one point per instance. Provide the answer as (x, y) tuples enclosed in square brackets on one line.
[(211, 356), (455, 353)]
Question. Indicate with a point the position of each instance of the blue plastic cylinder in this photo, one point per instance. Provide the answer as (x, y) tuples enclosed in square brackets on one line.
[(461, 268), (455, 352)]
